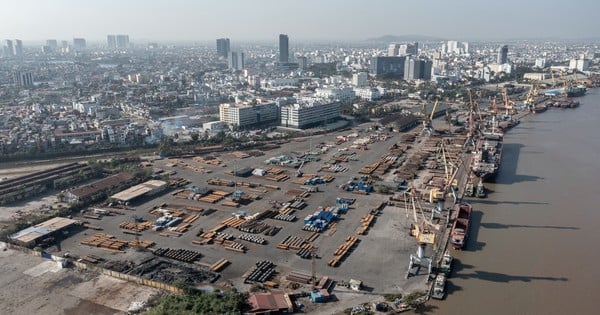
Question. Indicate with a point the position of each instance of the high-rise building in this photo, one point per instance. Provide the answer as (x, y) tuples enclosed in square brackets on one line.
[(111, 41), (284, 49), (8, 48), (18, 49), (360, 79), (52, 43), (452, 47), (235, 60), (223, 47), (417, 69), (393, 50), (24, 79), (409, 49), (502, 55), (79, 43), (123, 41), (465, 47), (393, 66), (302, 62), (412, 69)]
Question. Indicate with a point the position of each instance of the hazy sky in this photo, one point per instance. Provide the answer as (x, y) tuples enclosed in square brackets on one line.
[(300, 19)]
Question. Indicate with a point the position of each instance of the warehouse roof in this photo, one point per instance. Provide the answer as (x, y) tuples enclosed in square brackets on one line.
[(101, 185), (138, 190), (35, 232)]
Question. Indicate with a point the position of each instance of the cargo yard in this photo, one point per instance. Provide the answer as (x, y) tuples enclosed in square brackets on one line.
[(364, 205)]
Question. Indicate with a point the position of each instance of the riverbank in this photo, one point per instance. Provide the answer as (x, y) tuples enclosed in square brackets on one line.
[(529, 250)]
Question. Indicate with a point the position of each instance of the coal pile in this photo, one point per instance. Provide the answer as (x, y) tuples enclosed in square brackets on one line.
[(163, 271)]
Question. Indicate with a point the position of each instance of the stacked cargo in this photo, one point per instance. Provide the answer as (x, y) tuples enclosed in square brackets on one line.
[(342, 250)]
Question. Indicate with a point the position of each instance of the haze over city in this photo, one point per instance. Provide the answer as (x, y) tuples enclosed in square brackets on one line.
[(353, 20)]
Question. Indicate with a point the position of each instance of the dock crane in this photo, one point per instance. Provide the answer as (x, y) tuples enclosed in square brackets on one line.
[(450, 172), (422, 234), (508, 104), (299, 170), (427, 120), (530, 99)]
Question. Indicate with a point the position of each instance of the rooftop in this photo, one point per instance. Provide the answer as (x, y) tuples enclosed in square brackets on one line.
[(35, 232), (138, 190)]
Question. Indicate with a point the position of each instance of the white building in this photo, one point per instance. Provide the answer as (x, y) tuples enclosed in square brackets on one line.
[(367, 93), (579, 64), (540, 62), (536, 76), (245, 115), (452, 47), (344, 94), (279, 83), (307, 114), (360, 79)]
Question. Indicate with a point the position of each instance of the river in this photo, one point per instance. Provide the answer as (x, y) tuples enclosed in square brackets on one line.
[(533, 247)]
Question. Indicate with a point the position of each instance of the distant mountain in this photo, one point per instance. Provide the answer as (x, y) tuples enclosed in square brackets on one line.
[(404, 38)]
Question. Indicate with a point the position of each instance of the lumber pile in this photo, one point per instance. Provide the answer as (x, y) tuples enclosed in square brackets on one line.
[(342, 250), (291, 242), (220, 264), (104, 241), (365, 223), (135, 227)]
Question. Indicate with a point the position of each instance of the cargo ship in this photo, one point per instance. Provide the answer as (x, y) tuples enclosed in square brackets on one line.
[(460, 227), (488, 153), (576, 91)]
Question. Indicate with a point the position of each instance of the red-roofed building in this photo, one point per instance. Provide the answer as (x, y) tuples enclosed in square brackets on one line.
[(275, 302)]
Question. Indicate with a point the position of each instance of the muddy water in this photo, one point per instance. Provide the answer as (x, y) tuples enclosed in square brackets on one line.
[(534, 245)]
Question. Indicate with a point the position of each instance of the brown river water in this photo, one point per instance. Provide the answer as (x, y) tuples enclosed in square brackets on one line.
[(534, 242)]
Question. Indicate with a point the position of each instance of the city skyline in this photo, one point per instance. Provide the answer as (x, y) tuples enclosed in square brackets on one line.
[(308, 20)]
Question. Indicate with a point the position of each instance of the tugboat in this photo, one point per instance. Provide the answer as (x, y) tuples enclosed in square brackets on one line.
[(439, 287), (480, 192), (446, 263)]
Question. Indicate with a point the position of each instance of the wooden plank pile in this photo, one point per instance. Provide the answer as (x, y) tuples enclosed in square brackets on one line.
[(140, 244), (295, 276), (365, 223), (92, 258), (342, 251), (220, 182), (276, 174), (292, 242), (215, 196), (220, 264), (105, 241), (369, 169), (136, 227)]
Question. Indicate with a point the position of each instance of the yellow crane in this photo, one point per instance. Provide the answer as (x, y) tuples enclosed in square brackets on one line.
[(427, 119), (530, 99)]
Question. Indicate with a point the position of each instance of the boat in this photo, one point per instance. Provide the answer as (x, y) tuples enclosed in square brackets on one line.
[(439, 287), (575, 91), (488, 153), (539, 108), (460, 227), (480, 192), (446, 263)]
